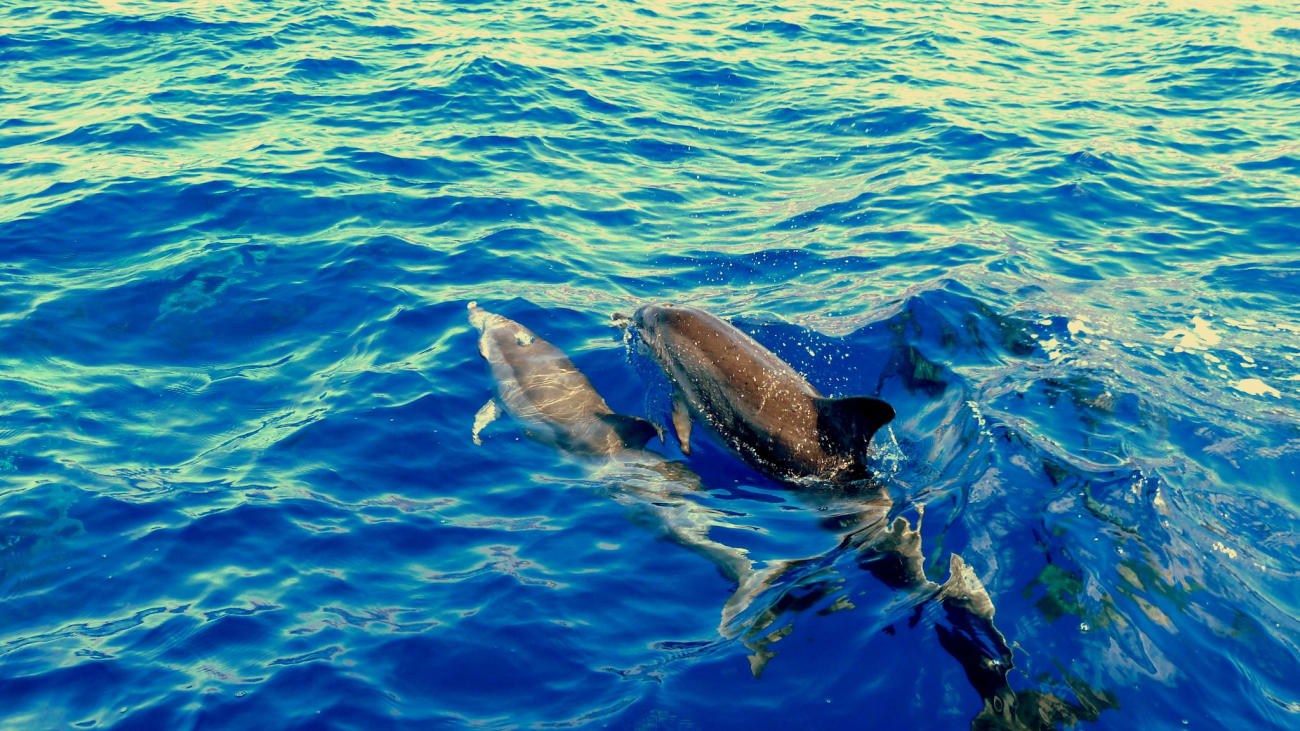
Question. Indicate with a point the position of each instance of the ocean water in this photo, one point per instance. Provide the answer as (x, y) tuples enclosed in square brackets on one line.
[(237, 382)]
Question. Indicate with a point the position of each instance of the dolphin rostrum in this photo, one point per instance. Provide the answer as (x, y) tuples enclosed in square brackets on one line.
[(540, 387), (761, 407)]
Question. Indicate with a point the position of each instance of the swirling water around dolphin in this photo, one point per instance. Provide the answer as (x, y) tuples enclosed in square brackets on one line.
[(237, 385)]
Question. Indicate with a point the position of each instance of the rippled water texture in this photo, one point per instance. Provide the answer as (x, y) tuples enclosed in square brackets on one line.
[(237, 381)]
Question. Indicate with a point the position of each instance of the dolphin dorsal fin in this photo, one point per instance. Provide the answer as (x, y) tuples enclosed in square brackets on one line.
[(849, 423), (634, 430)]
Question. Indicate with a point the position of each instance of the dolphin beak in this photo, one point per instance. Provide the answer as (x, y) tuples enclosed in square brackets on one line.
[(478, 317), (644, 314)]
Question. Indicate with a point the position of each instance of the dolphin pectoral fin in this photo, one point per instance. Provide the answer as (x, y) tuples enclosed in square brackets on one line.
[(682, 422), (849, 423), (633, 430), (486, 415)]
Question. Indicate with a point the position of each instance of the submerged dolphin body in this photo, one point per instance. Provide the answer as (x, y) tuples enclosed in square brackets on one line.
[(539, 386), (761, 407)]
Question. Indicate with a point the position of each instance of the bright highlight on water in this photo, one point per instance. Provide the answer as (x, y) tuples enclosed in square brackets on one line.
[(256, 472)]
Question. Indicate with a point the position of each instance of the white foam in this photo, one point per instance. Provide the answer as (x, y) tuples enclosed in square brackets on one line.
[(1256, 387), (1199, 337)]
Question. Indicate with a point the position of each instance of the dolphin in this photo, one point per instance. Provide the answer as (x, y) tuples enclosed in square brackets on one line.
[(769, 415), (762, 409), (541, 388)]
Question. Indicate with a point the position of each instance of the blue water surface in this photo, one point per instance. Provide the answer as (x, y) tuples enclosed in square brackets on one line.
[(237, 383)]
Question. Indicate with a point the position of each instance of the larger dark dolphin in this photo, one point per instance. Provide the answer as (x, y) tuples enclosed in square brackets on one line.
[(761, 407), (778, 422)]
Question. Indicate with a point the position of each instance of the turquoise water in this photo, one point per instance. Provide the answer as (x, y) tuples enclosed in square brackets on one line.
[(237, 381)]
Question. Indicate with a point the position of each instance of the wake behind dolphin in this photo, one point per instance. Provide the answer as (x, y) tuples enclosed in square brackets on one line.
[(778, 422)]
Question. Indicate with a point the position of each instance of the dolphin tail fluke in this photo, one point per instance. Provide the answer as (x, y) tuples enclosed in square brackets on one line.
[(759, 638), (971, 638), (749, 585), (965, 590), (969, 634), (849, 423), (633, 430), (761, 654)]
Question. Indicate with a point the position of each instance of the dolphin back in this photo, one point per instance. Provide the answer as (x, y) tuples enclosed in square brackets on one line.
[(538, 385), (847, 424)]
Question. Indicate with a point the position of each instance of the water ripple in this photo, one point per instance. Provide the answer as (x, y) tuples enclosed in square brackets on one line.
[(237, 483)]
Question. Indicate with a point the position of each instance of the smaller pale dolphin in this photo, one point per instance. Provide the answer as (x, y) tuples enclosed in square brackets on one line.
[(760, 407), (540, 387), (543, 389)]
